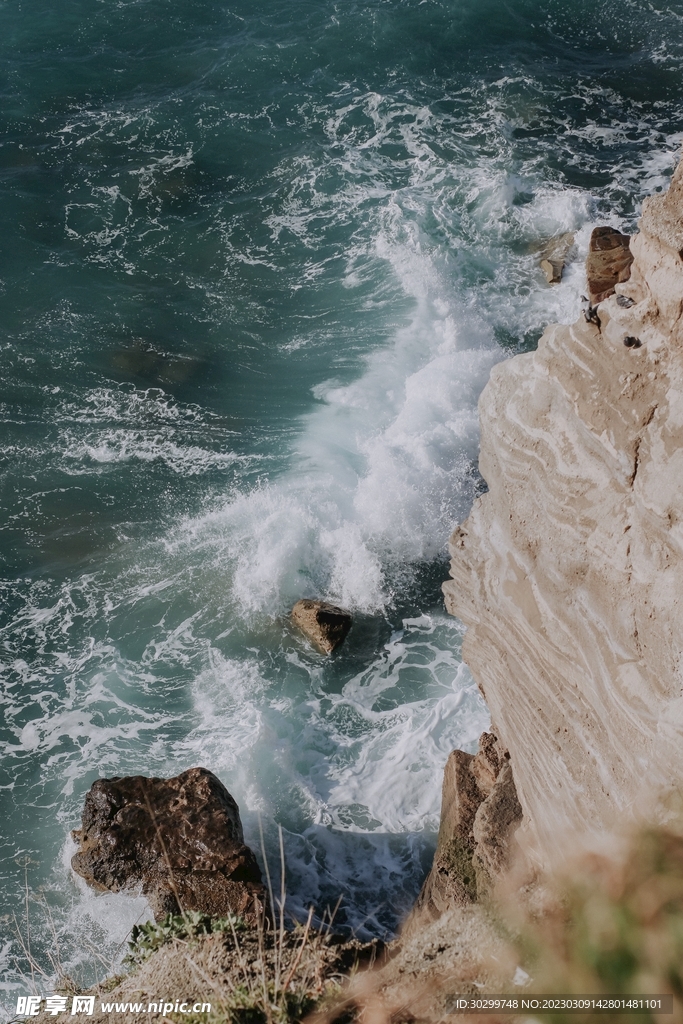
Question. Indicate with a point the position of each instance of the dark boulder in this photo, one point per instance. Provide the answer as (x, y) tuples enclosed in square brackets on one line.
[(323, 623), (179, 839), (608, 263)]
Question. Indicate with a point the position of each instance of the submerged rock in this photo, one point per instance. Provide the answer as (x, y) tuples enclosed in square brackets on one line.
[(555, 255), (608, 263), (151, 365), (479, 816), (325, 624), (178, 839)]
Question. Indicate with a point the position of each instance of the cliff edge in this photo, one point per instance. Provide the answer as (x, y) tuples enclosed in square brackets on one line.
[(569, 571)]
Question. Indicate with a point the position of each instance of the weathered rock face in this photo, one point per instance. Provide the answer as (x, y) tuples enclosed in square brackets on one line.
[(180, 839), (323, 623), (555, 255), (569, 571), (608, 264), (479, 816), (495, 824)]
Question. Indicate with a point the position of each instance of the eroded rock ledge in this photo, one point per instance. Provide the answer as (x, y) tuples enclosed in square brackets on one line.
[(569, 571)]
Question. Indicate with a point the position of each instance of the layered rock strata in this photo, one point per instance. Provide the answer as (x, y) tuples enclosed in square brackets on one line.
[(480, 813), (569, 571), (180, 840)]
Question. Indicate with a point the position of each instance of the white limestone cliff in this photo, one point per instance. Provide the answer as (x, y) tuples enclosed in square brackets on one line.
[(569, 571)]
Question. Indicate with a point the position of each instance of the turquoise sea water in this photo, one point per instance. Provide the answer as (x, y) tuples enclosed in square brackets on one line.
[(256, 262)]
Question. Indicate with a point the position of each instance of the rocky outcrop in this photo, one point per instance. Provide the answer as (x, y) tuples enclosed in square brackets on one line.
[(479, 815), (325, 624), (569, 571), (496, 822), (555, 255), (178, 839), (608, 263)]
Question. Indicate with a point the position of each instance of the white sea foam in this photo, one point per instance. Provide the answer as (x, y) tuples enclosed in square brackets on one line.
[(391, 776), (97, 920), (126, 404), (105, 447), (118, 424), (359, 763), (382, 468)]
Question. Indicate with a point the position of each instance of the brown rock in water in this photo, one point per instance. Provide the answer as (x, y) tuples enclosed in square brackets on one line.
[(555, 255), (608, 263), (479, 814), (179, 839), (323, 623)]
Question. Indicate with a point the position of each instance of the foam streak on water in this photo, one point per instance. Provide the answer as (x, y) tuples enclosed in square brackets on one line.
[(257, 264)]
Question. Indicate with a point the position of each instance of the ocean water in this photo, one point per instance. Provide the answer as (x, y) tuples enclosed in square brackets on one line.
[(256, 263)]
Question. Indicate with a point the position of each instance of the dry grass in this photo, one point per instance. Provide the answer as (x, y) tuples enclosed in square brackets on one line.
[(250, 976), (275, 978), (50, 973)]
